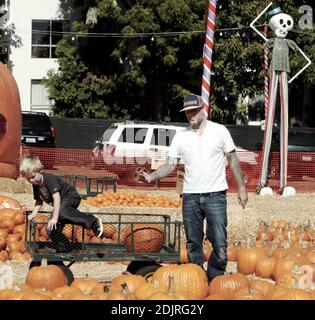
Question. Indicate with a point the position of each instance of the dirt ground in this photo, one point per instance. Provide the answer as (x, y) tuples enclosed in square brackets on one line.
[(242, 224)]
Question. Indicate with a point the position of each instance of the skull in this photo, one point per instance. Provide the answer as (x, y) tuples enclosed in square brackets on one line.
[(281, 24)]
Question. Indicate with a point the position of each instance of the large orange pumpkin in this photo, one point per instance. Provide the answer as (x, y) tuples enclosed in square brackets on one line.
[(285, 265), (46, 276), (87, 285), (228, 284), (10, 123), (247, 259), (147, 238), (190, 280), (9, 203), (133, 282), (264, 267)]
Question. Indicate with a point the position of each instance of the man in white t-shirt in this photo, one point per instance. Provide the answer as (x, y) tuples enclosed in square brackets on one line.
[(202, 146)]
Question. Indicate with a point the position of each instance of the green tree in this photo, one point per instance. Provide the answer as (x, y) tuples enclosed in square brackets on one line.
[(143, 70)]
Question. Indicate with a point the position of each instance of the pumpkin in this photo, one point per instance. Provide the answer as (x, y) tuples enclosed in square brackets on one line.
[(232, 253), (310, 255), (81, 296), (264, 267), (133, 282), (292, 279), (88, 286), (7, 223), (62, 293), (18, 218), (190, 280), (261, 285), (6, 294), (146, 290), (3, 238), (8, 202), (32, 295), (216, 297), (228, 284), (285, 265), (18, 256), (123, 294), (46, 276), (144, 238), (19, 230), (169, 293), (69, 231), (275, 293), (249, 294), (109, 230), (3, 256), (295, 294), (247, 259), (183, 254)]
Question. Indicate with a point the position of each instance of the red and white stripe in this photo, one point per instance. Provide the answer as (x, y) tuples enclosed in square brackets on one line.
[(266, 80), (207, 53)]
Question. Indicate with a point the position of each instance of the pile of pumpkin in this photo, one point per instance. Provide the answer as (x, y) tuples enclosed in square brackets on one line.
[(131, 199), (12, 230), (48, 282), (147, 237), (172, 282)]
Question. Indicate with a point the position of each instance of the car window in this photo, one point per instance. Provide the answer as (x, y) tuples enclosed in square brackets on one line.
[(162, 137), (109, 132), (40, 122), (133, 135)]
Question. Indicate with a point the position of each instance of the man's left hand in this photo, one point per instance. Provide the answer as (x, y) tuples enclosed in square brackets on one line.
[(242, 197)]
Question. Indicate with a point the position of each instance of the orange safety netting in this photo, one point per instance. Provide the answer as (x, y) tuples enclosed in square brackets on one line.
[(79, 163)]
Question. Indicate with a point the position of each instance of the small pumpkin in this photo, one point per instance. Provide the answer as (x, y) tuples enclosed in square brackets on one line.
[(46, 276), (228, 284), (87, 285), (123, 294), (133, 282)]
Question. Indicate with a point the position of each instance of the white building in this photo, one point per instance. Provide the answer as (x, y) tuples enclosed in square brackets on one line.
[(36, 27)]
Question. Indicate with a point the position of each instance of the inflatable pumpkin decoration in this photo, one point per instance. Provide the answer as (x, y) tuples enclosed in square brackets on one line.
[(10, 123)]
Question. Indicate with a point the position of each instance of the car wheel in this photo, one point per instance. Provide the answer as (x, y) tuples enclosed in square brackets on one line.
[(144, 269), (137, 172)]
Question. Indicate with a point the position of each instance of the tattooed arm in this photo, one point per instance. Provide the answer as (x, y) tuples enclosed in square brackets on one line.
[(162, 171), (238, 173)]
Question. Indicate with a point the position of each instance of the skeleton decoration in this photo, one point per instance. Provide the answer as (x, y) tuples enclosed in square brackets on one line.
[(280, 23)]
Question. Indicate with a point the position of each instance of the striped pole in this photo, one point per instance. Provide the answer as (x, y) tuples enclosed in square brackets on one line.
[(207, 53), (266, 81)]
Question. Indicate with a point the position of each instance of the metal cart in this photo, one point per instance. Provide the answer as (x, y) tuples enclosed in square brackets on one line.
[(132, 240)]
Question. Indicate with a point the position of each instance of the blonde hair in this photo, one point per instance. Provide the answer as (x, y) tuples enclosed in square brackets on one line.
[(30, 163)]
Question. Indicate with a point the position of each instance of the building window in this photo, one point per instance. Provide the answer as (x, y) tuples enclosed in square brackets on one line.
[(39, 97), (45, 36)]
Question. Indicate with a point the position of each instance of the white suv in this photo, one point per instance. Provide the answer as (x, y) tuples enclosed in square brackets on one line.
[(141, 145)]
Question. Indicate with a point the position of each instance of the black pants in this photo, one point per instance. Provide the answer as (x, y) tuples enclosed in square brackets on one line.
[(69, 214)]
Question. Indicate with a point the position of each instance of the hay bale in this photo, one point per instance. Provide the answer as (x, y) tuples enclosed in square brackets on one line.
[(20, 185)]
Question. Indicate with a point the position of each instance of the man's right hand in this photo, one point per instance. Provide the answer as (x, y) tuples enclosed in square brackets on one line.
[(145, 177)]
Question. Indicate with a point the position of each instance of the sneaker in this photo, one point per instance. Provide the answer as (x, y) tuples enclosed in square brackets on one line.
[(97, 227)]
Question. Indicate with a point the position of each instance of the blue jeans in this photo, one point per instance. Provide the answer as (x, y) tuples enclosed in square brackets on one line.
[(212, 206)]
